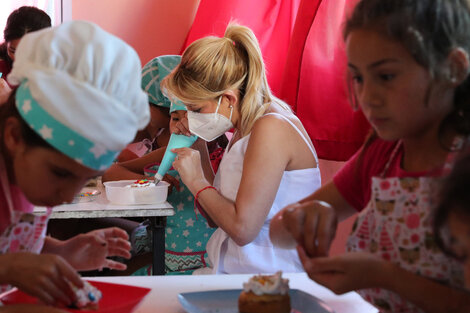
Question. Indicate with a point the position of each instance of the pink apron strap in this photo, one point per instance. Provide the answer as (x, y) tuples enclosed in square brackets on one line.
[(392, 157)]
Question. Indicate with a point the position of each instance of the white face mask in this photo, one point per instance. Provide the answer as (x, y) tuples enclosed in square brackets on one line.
[(209, 126)]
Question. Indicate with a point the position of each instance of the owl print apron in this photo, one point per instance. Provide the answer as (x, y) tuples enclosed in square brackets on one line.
[(396, 225), (26, 232)]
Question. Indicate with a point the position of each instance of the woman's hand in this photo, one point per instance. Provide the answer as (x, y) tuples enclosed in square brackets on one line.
[(312, 224), (45, 276), (90, 251), (188, 165), (344, 273)]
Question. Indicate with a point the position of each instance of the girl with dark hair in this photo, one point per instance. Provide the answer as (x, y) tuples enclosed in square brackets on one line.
[(21, 21), (409, 67), (53, 141)]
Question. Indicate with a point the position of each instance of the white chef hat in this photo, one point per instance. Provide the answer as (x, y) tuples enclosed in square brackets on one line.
[(80, 91)]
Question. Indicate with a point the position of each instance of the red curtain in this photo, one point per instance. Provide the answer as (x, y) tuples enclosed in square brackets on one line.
[(314, 80), (303, 49), (272, 22)]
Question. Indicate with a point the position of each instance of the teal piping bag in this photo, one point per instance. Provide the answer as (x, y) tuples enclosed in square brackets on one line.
[(176, 141)]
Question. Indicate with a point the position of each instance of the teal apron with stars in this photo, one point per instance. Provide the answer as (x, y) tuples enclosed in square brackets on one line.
[(186, 232)]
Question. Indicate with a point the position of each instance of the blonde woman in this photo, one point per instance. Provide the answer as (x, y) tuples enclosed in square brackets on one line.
[(269, 163)]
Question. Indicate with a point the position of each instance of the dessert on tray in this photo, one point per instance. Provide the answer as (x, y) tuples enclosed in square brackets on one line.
[(265, 294)]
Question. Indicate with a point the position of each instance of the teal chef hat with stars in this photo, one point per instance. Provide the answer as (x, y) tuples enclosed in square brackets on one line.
[(79, 89), (152, 75)]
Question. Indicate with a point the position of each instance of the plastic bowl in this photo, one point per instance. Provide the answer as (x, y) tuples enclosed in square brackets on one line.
[(118, 193)]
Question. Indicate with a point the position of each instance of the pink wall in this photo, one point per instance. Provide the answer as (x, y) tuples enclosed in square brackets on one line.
[(152, 27)]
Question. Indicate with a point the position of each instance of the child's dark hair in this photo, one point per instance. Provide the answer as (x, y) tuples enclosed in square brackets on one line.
[(454, 198), (30, 137), (21, 21), (429, 30)]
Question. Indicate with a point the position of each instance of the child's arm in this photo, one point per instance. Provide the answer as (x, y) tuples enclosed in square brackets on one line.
[(91, 251), (133, 169), (30, 308), (354, 271)]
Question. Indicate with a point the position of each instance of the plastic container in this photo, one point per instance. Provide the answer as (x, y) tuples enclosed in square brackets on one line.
[(118, 193)]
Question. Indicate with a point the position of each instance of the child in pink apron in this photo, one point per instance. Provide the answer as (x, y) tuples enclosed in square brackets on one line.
[(408, 63), (76, 107)]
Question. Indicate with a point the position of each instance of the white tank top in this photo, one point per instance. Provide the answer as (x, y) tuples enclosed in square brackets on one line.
[(259, 256)]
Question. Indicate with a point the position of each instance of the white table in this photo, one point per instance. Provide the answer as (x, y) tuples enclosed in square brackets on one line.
[(165, 289), (101, 207)]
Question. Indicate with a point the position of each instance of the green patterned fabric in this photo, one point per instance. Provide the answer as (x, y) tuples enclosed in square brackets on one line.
[(152, 75), (186, 232)]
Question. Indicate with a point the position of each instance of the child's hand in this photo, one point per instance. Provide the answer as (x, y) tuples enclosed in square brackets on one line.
[(30, 308), (344, 273), (45, 276), (90, 251), (312, 224), (182, 127)]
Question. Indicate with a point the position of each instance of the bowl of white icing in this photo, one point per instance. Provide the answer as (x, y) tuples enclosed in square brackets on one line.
[(131, 192)]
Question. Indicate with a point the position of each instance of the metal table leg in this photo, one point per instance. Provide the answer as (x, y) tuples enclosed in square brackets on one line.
[(157, 225)]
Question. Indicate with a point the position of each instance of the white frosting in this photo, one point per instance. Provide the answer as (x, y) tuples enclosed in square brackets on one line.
[(267, 284), (87, 295)]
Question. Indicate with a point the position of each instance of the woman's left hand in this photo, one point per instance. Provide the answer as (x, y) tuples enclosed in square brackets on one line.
[(90, 251), (188, 165), (344, 273)]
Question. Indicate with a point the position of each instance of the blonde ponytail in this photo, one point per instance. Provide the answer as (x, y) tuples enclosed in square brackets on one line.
[(212, 65)]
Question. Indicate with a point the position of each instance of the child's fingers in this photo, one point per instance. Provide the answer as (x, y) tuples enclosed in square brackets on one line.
[(118, 251), (118, 243), (68, 272), (115, 232), (293, 220), (319, 264), (58, 290), (181, 129), (327, 264), (115, 265), (304, 258), (326, 223)]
